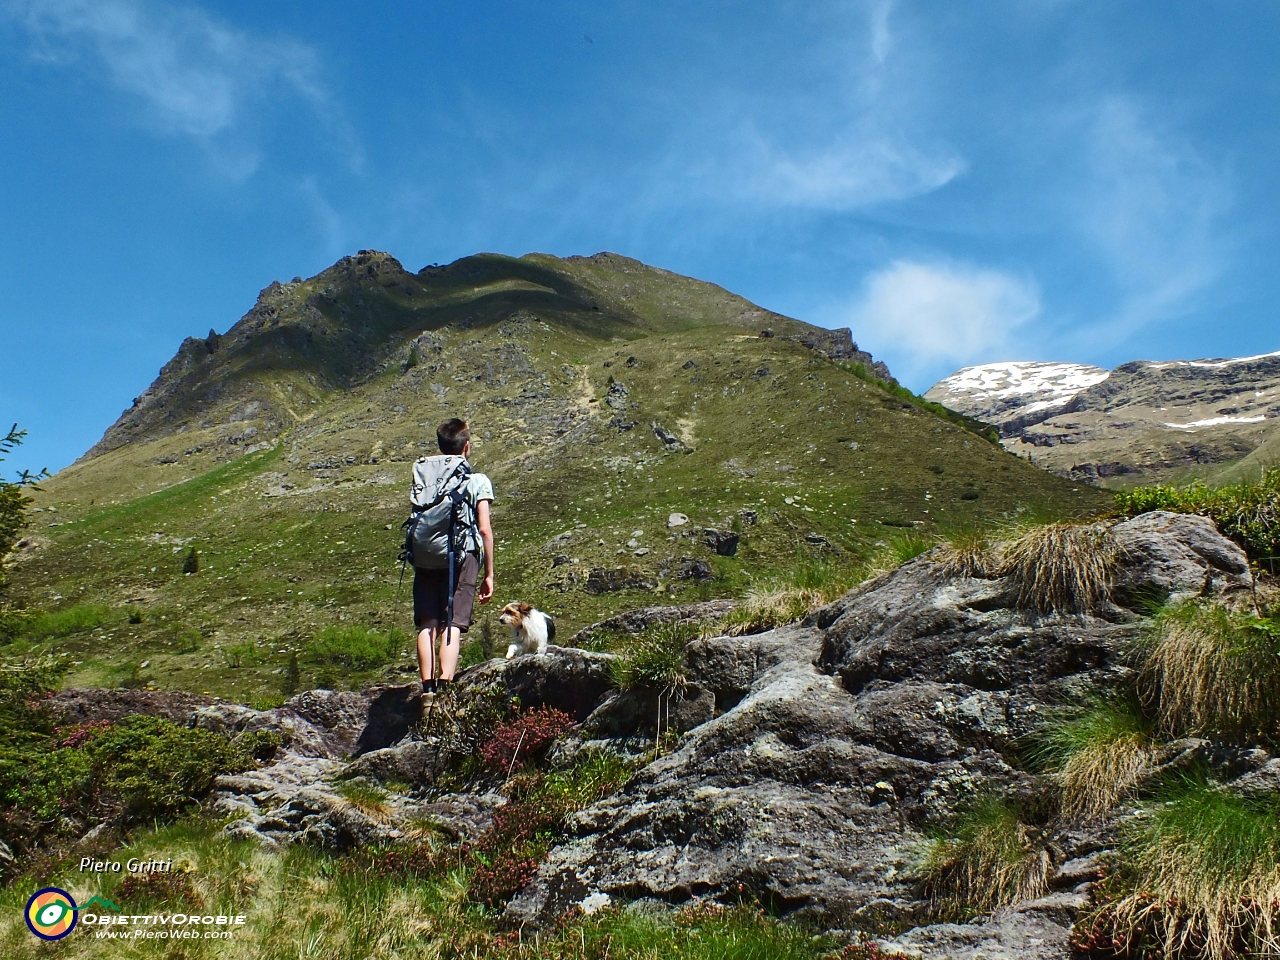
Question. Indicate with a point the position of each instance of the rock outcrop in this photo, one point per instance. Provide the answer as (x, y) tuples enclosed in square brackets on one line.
[(815, 755), (840, 740)]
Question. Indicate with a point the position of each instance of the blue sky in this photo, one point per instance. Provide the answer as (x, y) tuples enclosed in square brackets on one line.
[(958, 182)]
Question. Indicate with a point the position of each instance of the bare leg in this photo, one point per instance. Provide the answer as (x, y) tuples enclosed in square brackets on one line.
[(449, 653), (426, 650)]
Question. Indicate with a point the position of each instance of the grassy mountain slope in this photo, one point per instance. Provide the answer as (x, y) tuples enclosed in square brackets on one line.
[(604, 395)]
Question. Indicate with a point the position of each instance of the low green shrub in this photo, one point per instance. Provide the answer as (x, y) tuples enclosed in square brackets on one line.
[(1248, 512), (242, 655), (259, 744), (51, 625), (149, 768), (353, 647), (55, 780)]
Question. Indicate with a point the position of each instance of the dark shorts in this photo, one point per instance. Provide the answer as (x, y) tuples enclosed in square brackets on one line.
[(431, 593)]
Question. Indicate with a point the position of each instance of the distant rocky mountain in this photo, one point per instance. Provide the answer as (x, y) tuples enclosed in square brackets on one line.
[(1143, 420)]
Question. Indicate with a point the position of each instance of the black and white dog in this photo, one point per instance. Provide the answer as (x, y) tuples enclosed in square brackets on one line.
[(531, 629)]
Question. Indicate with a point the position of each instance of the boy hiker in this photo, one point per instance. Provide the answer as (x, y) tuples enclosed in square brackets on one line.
[(450, 522)]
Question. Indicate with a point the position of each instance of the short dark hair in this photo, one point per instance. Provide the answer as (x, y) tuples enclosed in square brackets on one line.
[(452, 435)]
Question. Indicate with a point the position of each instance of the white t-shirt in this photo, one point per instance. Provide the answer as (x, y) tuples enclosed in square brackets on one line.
[(479, 487)]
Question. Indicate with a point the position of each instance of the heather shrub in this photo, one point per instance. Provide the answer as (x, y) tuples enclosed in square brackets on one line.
[(519, 741)]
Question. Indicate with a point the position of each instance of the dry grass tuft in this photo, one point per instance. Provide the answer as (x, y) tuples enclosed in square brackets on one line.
[(766, 609), (808, 586), (1097, 757), (1061, 567), (366, 797), (1203, 871), (969, 554), (994, 860), (1211, 671)]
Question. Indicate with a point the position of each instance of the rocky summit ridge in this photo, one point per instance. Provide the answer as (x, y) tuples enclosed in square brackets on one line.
[(1142, 421), (349, 322)]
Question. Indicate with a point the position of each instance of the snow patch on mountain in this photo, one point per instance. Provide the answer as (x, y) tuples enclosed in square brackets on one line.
[(1014, 390)]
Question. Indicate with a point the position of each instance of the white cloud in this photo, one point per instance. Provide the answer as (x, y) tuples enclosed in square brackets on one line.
[(194, 75), (850, 134), (924, 317), (871, 168), (1154, 206)]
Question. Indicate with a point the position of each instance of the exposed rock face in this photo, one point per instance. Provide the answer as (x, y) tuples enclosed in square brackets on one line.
[(84, 705), (816, 754), (1142, 417), (839, 740)]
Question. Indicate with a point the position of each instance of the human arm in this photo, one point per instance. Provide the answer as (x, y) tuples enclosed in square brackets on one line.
[(486, 537)]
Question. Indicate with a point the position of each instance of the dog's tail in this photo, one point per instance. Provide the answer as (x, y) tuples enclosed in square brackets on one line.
[(551, 630)]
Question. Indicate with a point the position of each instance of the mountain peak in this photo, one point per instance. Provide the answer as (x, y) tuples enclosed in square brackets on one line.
[(344, 325)]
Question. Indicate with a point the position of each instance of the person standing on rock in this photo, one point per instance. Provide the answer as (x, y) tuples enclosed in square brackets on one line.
[(451, 522)]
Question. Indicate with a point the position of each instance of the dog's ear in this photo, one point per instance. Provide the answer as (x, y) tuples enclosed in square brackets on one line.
[(524, 608)]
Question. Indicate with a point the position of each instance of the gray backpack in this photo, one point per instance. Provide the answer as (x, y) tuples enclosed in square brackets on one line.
[(442, 526)]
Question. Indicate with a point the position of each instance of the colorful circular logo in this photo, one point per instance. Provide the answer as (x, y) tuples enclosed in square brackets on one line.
[(51, 913)]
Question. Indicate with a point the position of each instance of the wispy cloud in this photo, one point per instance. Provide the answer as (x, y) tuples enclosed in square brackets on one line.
[(1155, 207), (194, 75), (927, 317), (851, 134), (869, 166)]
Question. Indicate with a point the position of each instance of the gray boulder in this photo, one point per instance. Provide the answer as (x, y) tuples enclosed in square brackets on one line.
[(1175, 556), (565, 678)]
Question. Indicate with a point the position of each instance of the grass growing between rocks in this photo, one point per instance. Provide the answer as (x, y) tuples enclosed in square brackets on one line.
[(1198, 876), (989, 858), (655, 657), (1096, 756), (1211, 671)]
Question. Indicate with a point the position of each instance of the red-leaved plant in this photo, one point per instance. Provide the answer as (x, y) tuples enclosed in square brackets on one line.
[(518, 741)]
